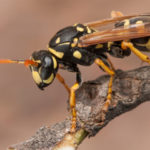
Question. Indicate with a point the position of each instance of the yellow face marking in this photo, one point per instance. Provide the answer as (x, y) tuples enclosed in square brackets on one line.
[(57, 40), (126, 23), (75, 40), (88, 30), (80, 29), (54, 62), (39, 71), (38, 61), (57, 54), (77, 54), (36, 77), (99, 46), (49, 80)]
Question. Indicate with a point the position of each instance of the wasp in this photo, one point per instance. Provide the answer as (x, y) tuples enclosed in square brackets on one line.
[(85, 44)]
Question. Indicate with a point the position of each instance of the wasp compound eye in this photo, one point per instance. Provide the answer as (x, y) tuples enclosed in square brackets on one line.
[(45, 72)]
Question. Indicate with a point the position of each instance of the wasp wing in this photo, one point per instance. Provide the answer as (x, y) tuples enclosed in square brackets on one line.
[(100, 23), (120, 33)]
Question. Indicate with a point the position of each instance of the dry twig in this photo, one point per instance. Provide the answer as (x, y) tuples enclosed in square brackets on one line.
[(130, 89)]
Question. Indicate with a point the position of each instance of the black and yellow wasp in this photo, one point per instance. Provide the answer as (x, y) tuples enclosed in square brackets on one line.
[(85, 44)]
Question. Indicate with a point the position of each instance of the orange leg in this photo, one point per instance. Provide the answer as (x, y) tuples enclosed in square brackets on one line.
[(61, 80), (111, 72), (143, 57), (72, 100), (72, 106)]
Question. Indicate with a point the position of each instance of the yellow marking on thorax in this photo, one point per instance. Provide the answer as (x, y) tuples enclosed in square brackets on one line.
[(99, 46), (57, 54), (36, 77), (80, 29), (65, 43), (75, 41), (75, 24), (57, 40), (50, 79), (147, 45), (54, 62), (77, 54)]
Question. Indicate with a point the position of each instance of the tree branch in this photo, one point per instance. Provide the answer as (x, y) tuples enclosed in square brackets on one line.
[(130, 89)]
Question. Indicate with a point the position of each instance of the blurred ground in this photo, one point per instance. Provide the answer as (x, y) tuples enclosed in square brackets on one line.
[(28, 25)]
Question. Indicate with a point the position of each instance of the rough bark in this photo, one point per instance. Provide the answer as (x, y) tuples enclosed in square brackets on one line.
[(130, 89)]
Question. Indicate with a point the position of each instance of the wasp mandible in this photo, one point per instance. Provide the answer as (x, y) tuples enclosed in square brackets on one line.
[(85, 44)]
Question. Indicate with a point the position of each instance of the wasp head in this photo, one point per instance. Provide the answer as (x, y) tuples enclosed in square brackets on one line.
[(45, 72)]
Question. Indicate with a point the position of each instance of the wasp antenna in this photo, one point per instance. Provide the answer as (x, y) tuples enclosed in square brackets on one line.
[(25, 62), (7, 61)]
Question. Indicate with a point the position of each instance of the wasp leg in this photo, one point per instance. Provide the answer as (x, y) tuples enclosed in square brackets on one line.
[(143, 57), (73, 101), (111, 72), (111, 65), (61, 80)]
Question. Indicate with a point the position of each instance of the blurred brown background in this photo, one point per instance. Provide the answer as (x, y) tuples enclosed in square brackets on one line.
[(28, 25)]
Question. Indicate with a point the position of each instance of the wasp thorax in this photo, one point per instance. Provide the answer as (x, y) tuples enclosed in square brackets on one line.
[(45, 72)]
